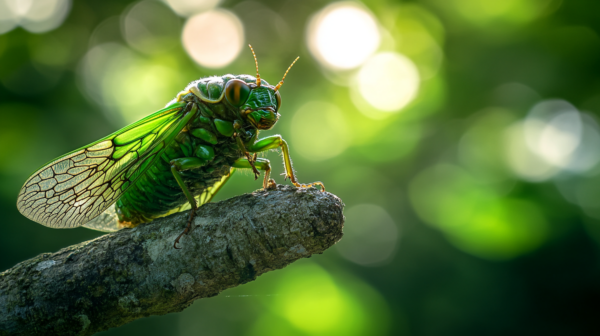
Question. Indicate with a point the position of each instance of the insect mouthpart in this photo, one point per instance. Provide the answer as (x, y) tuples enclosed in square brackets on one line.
[(262, 118), (266, 124)]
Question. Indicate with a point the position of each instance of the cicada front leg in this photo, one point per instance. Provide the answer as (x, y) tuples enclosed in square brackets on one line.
[(240, 143), (260, 163), (274, 142)]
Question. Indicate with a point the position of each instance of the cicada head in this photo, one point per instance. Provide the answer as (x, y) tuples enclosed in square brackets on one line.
[(261, 107), (258, 102)]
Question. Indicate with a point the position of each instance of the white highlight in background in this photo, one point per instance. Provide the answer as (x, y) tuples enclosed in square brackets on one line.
[(587, 155), (522, 160), (388, 81), (554, 137), (213, 39), (343, 35), (36, 16), (553, 131), (190, 7)]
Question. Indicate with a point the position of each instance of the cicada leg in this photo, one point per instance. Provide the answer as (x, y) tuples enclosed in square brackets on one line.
[(251, 160), (177, 166), (260, 163), (276, 141)]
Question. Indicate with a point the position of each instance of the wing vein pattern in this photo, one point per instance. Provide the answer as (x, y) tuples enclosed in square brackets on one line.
[(75, 188)]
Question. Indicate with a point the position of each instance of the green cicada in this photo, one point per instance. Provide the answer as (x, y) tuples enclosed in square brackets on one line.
[(175, 159)]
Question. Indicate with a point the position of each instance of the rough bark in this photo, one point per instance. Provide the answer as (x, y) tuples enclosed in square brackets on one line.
[(133, 273)]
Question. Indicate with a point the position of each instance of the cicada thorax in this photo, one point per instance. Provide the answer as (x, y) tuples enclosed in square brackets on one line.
[(212, 89), (208, 136)]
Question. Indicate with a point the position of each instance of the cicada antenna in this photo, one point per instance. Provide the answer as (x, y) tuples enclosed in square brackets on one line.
[(256, 63), (286, 72)]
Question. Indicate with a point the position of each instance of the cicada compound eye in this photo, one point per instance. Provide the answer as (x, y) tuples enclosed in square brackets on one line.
[(237, 92), (278, 96)]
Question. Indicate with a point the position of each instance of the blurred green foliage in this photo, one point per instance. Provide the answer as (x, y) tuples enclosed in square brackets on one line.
[(471, 210)]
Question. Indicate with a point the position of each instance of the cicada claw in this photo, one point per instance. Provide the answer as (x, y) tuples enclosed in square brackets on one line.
[(271, 185), (308, 185), (187, 229)]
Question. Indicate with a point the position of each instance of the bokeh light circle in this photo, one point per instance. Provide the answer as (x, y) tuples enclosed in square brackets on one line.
[(319, 131), (150, 27), (587, 155), (127, 86), (370, 235), (213, 39), (490, 13), (190, 7), (553, 131), (315, 302), (36, 16), (560, 138), (343, 35), (473, 216), (388, 81), (554, 137), (523, 162), (8, 19)]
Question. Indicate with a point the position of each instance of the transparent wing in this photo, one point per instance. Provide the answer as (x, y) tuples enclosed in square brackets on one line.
[(79, 186), (108, 221)]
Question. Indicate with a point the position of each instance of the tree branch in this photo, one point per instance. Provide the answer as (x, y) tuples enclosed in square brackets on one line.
[(119, 277)]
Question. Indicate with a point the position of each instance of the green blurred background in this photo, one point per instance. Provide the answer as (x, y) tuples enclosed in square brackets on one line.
[(462, 136)]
